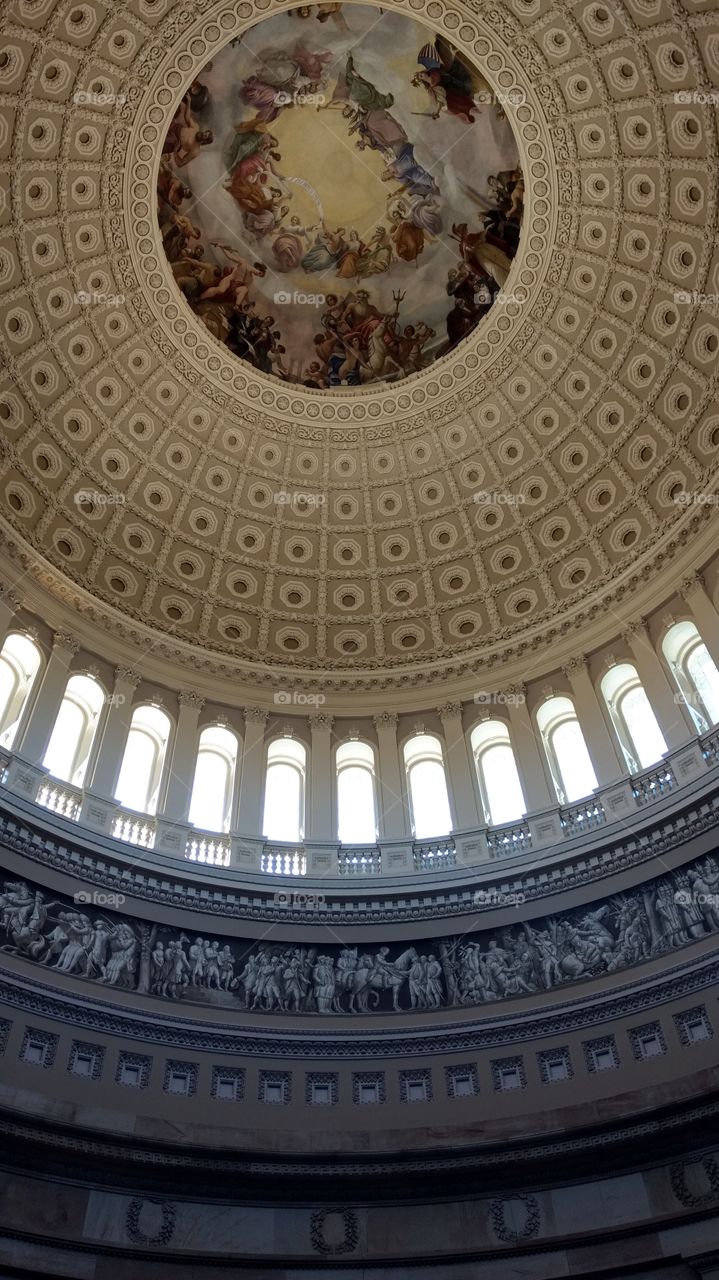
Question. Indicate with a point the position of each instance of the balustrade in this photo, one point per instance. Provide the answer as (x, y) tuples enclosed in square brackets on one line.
[(366, 860), (287, 861), (208, 847), (653, 784), (582, 817), (435, 855), (134, 828), (61, 798), (503, 842), (215, 849)]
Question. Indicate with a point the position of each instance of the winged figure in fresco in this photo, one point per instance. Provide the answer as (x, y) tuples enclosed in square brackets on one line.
[(451, 83)]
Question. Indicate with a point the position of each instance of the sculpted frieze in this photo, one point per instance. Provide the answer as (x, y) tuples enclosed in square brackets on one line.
[(87, 939)]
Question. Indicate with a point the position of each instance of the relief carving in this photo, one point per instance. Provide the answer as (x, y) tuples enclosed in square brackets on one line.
[(84, 939)]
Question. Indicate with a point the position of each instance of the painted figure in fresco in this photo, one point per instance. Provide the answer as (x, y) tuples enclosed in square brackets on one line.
[(269, 206), (185, 137), (362, 92), (480, 255), (448, 81)]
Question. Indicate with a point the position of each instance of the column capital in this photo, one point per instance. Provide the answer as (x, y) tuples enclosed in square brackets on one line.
[(255, 715), (127, 675), (386, 720), (450, 711), (575, 666), (691, 583), (187, 698), (637, 630), (320, 721), (63, 640), (517, 692), (9, 598)]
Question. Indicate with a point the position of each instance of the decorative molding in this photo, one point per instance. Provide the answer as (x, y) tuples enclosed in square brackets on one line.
[(166, 1229), (532, 1224), (318, 1236)]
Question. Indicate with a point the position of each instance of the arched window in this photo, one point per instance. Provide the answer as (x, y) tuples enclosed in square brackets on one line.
[(695, 673), (429, 802), (141, 772), (566, 750), (285, 791), (356, 803), (499, 785), (212, 789), (19, 664), (635, 723), (69, 748)]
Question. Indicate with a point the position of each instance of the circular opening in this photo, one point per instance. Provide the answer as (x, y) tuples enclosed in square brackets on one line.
[(64, 547), (174, 613), (465, 628), (523, 606), (117, 584), (135, 541), (15, 501), (292, 642)]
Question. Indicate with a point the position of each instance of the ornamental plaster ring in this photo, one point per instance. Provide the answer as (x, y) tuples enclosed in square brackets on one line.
[(199, 353)]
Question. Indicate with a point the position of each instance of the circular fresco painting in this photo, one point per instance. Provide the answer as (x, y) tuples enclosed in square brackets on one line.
[(340, 197)]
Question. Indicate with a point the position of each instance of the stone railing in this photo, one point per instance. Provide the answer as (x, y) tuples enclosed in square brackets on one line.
[(531, 837)]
